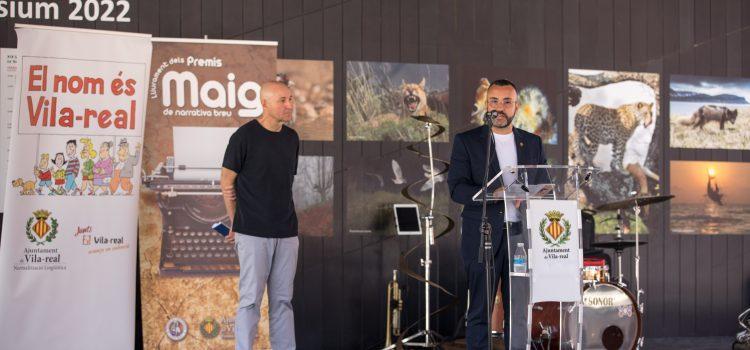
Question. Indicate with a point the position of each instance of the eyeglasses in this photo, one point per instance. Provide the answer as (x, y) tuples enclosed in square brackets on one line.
[(496, 102)]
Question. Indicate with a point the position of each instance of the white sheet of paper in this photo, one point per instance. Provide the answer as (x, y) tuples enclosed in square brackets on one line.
[(200, 150), (8, 75)]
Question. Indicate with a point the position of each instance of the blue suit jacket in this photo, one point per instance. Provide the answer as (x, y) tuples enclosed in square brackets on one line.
[(466, 172)]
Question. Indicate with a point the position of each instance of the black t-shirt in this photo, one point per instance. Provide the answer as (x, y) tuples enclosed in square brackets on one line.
[(265, 162)]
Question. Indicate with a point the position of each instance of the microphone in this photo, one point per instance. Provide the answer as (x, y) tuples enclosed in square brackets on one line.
[(586, 180), (489, 116)]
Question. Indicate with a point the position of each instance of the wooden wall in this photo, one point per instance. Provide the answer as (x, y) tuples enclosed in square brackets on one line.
[(695, 286)]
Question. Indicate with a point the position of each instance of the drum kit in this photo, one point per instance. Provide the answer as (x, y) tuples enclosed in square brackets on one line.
[(611, 317)]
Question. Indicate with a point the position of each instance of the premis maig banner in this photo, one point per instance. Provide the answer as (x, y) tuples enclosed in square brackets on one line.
[(200, 92)]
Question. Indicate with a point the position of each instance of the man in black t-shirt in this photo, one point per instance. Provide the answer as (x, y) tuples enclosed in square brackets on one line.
[(256, 180)]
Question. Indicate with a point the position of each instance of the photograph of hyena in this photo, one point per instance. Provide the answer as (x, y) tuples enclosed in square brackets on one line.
[(382, 99), (709, 112), (612, 120)]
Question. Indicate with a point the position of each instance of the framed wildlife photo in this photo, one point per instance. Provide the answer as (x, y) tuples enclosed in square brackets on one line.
[(382, 99), (538, 98), (313, 195), (710, 198), (311, 82), (612, 120), (373, 185), (709, 112)]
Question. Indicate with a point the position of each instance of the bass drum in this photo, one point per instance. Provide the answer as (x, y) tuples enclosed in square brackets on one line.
[(611, 320)]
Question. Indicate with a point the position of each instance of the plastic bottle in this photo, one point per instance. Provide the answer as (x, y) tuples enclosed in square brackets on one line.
[(519, 259)]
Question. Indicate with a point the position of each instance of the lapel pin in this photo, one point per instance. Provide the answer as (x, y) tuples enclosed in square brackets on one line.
[(521, 144)]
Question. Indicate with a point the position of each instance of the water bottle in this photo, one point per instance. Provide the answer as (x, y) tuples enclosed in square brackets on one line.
[(519, 259)]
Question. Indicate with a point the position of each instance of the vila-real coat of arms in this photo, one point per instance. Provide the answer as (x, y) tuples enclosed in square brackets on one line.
[(555, 230), (41, 232)]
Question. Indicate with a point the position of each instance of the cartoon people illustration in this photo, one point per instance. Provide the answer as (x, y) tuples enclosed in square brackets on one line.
[(87, 170), (103, 169), (59, 174), (44, 174), (74, 167), (123, 171)]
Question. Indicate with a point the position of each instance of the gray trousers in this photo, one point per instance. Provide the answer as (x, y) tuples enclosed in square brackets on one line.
[(272, 262)]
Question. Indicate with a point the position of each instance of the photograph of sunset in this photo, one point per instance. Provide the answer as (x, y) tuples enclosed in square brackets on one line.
[(708, 198)]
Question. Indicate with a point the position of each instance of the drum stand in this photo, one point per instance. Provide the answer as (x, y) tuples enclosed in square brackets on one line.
[(638, 290), (618, 252)]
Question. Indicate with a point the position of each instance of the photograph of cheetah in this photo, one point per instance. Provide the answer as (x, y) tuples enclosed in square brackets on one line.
[(709, 112), (612, 120)]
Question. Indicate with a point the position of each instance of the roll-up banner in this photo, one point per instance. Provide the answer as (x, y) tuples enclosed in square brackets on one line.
[(68, 250), (199, 93)]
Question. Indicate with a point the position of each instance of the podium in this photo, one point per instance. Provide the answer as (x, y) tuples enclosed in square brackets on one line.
[(545, 300)]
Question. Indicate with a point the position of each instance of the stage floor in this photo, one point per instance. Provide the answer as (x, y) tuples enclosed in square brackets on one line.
[(694, 343), (697, 343)]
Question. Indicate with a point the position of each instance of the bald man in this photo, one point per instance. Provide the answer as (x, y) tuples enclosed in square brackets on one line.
[(256, 180)]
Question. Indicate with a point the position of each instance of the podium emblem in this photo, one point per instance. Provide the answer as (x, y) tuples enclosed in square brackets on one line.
[(554, 229)]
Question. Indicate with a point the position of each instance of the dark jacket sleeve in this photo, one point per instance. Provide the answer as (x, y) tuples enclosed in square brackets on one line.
[(460, 183)]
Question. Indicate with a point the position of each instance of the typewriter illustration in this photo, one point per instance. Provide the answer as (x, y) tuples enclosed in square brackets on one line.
[(189, 198)]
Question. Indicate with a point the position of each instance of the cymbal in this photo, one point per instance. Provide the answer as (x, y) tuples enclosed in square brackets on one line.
[(426, 119), (618, 244), (589, 211), (631, 202)]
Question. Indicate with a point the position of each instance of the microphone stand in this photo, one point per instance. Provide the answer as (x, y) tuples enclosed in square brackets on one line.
[(485, 244)]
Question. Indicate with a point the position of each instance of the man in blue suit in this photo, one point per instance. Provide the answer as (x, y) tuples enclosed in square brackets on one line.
[(510, 147)]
